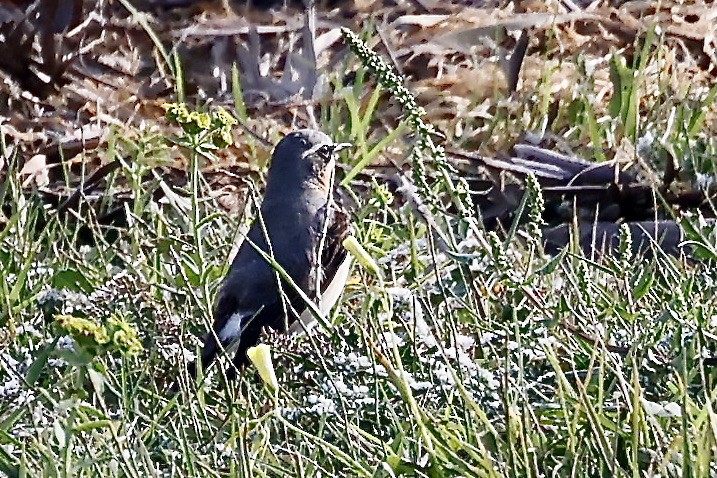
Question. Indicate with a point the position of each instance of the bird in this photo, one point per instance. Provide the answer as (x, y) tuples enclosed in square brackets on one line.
[(305, 223)]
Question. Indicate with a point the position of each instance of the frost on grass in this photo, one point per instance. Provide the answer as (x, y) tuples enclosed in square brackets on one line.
[(470, 327), (55, 332), (355, 383)]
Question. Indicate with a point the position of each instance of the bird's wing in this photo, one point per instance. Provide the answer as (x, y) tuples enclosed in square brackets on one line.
[(335, 266), (241, 312)]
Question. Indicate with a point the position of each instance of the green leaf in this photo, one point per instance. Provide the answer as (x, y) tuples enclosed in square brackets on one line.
[(552, 264), (71, 279), (97, 380), (8, 464), (93, 425), (619, 85), (237, 93), (643, 286), (33, 373)]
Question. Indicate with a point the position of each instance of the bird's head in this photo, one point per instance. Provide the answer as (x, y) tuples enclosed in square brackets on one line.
[(304, 157)]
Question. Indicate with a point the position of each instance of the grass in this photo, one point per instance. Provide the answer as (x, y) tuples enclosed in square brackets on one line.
[(478, 356)]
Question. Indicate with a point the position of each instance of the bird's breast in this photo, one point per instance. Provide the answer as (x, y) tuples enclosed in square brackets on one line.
[(294, 232)]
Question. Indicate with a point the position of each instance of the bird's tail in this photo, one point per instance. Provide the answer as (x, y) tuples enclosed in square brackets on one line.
[(212, 349)]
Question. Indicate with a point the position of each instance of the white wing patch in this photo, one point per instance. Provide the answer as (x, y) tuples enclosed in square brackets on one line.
[(327, 301), (336, 287), (232, 327)]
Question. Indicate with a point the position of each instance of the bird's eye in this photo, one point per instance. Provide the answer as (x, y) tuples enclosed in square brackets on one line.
[(326, 151)]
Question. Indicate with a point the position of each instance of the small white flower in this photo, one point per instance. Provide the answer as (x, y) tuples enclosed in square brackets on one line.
[(338, 385), (470, 243), (66, 343), (290, 413), (645, 144), (56, 362), (176, 351), (547, 341), (28, 329), (401, 294), (704, 181), (360, 390), (339, 358), (359, 361)]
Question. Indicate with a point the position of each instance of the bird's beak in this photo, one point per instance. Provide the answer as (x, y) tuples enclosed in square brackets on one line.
[(341, 146)]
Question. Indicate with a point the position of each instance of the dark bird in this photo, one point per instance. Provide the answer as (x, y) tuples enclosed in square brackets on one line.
[(305, 227)]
